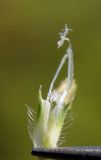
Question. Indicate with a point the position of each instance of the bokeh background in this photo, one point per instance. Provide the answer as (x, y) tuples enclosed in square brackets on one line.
[(29, 57)]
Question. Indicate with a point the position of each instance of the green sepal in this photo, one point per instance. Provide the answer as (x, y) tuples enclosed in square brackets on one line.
[(61, 117), (40, 104)]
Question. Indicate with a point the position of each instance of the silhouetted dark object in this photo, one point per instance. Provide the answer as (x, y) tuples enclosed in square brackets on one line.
[(70, 153)]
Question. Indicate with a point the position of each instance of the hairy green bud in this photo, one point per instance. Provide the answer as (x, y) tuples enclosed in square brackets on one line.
[(46, 129)]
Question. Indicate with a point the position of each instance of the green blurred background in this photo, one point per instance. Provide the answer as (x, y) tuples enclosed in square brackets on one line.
[(29, 57)]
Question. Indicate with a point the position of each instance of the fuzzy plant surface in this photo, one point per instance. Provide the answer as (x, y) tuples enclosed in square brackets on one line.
[(45, 126)]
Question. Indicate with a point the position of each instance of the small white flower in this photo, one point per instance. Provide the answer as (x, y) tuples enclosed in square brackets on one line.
[(46, 129)]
